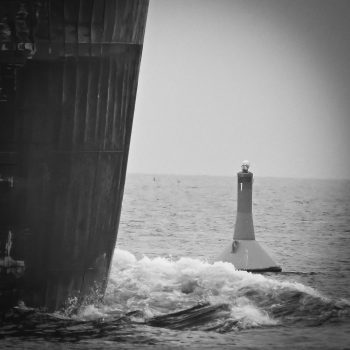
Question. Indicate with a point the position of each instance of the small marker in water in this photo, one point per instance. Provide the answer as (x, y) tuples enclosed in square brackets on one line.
[(245, 253)]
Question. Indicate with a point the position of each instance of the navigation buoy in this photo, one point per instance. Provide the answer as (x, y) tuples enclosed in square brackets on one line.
[(244, 252)]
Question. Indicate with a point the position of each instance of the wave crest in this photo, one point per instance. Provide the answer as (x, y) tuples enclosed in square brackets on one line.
[(161, 286)]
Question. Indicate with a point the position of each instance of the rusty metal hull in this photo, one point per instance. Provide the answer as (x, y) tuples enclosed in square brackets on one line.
[(68, 88)]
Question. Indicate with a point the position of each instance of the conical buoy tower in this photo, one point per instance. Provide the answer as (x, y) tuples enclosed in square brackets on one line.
[(245, 253)]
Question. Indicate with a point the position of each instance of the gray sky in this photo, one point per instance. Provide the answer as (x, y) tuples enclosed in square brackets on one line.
[(227, 80)]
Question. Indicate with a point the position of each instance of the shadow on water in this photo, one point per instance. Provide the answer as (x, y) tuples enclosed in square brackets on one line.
[(194, 317), (290, 308), (32, 324)]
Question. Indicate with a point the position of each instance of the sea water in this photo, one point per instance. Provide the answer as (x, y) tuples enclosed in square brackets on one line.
[(166, 289)]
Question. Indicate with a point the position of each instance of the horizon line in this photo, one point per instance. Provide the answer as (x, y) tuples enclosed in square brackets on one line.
[(234, 174)]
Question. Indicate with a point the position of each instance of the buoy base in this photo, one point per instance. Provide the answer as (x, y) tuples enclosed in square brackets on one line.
[(248, 255)]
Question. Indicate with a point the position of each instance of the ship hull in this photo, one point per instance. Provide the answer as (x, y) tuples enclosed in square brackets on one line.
[(64, 147)]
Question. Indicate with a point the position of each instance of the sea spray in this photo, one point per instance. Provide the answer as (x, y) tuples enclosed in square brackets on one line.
[(161, 286), (179, 295)]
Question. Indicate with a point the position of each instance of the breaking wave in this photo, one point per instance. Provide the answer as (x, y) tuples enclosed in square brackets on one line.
[(193, 294), (185, 294)]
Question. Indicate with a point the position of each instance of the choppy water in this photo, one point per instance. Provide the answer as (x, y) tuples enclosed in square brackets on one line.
[(166, 290)]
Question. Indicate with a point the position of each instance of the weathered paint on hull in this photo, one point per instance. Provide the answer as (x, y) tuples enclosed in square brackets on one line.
[(65, 135)]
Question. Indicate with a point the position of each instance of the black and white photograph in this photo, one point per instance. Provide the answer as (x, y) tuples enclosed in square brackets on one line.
[(174, 174)]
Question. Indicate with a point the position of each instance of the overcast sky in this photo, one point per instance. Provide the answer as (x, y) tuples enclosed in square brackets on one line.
[(227, 80)]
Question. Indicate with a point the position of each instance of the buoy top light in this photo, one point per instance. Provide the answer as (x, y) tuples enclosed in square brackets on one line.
[(245, 166)]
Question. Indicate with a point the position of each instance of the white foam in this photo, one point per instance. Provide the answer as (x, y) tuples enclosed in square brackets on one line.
[(250, 316), (160, 285), (90, 312)]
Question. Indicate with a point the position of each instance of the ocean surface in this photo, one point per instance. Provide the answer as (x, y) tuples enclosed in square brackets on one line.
[(167, 291)]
